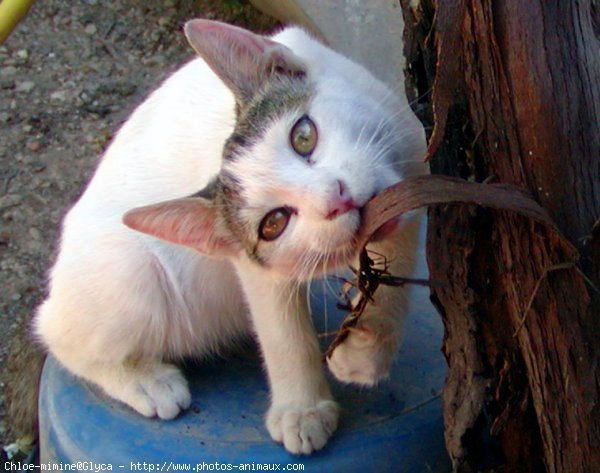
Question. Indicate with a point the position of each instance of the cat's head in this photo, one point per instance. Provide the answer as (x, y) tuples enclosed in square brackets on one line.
[(315, 138)]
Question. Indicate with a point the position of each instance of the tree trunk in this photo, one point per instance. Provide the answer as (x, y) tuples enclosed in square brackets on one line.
[(512, 89)]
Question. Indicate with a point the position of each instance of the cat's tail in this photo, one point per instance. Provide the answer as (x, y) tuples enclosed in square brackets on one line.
[(22, 382)]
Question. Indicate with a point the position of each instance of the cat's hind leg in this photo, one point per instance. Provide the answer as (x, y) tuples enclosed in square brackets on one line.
[(110, 323), (152, 389), (157, 389)]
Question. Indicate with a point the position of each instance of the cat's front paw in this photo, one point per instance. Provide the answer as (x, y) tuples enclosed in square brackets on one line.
[(155, 391), (301, 429), (364, 358)]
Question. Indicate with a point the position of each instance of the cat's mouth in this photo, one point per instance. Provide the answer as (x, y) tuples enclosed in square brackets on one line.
[(383, 231), (345, 253), (386, 229), (323, 260)]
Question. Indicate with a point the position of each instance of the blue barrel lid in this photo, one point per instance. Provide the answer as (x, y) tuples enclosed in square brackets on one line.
[(396, 426)]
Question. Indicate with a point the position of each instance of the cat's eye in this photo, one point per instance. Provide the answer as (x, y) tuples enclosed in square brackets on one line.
[(304, 136), (274, 223)]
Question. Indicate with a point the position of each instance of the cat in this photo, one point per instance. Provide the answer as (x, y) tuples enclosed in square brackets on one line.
[(239, 180)]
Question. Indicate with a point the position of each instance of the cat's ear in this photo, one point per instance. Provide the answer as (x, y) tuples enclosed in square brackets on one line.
[(193, 222), (242, 59)]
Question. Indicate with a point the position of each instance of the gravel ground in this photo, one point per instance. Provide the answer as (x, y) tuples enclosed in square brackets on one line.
[(69, 75)]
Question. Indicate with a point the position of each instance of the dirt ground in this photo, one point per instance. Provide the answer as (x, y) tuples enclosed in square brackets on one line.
[(69, 76)]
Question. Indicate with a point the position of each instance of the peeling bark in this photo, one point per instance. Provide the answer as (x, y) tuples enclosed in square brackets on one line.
[(515, 96)]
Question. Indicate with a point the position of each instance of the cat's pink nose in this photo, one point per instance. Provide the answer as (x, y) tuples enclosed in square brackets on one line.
[(341, 202)]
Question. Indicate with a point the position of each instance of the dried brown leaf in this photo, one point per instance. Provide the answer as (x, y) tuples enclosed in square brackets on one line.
[(411, 194), (422, 191)]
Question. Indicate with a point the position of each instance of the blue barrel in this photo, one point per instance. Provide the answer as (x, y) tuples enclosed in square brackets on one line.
[(395, 427)]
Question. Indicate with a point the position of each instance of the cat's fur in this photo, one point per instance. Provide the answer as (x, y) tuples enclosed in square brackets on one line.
[(201, 162)]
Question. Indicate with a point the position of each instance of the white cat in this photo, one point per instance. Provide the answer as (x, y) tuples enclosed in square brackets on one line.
[(246, 172)]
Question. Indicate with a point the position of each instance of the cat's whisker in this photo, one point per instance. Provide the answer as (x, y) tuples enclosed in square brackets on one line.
[(325, 307), (326, 289), (408, 107)]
